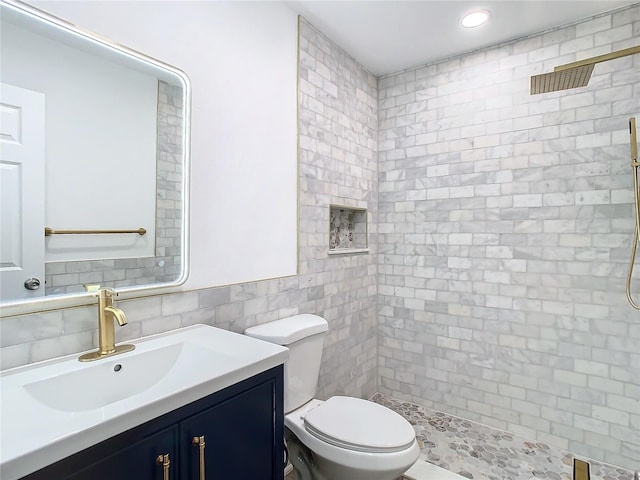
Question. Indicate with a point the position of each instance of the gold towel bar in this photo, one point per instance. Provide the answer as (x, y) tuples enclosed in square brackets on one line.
[(48, 231)]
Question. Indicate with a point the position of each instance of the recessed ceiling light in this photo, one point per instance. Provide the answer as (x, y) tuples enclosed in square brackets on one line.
[(474, 19)]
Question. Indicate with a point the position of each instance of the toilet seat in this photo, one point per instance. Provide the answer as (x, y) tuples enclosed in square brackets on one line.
[(359, 425)]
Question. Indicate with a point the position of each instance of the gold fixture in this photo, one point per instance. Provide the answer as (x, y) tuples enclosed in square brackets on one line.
[(48, 231), (91, 287), (107, 313), (199, 442), (573, 75), (164, 461), (635, 164), (581, 470)]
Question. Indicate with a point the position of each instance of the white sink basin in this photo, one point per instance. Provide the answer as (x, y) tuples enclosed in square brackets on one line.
[(108, 381), (112, 379), (55, 408)]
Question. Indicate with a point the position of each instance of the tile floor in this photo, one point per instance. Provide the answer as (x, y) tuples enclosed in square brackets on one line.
[(422, 470), (478, 452)]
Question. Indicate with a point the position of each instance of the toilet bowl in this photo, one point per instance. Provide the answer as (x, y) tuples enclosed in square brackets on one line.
[(342, 438), (354, 439)]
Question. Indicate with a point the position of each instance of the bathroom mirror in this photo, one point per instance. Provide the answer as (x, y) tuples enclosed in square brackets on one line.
[(93, 168)]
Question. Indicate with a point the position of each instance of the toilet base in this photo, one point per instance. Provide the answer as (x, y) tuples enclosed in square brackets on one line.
[(301, 459), (311, 466), (335, 471)]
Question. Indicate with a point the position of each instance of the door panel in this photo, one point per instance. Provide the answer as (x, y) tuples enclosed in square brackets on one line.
[(22, 166), (239, 438)]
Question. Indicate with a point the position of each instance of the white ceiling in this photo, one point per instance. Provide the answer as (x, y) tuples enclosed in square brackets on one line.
[(389, 36)]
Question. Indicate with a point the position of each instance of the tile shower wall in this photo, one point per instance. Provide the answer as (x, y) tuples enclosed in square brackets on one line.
[(338, 116), (338, 165), (505, 222), (69, 277)]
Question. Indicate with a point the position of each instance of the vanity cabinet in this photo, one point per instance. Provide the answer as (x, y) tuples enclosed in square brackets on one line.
[(241, 428), (235, 433), (132, 461)]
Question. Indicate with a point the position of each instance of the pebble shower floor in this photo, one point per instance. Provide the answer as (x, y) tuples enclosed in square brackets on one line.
[(479, 452)]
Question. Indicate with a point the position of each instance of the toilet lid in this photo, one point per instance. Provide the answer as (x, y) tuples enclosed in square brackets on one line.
[(360, 425)]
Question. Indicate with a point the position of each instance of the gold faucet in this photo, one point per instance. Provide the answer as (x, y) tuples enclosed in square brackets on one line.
[(107, 313)]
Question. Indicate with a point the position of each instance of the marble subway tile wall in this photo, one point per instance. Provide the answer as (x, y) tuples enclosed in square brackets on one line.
[(505, 224), (338, 164)]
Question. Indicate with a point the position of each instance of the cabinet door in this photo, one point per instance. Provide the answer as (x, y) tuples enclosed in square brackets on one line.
[(240, 438), (137, 462), (134, 461)]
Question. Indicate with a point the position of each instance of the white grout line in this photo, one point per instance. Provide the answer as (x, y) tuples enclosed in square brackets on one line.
[(422, 470)]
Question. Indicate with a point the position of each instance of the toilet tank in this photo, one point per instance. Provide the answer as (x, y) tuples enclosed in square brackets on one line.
[(304, 336)]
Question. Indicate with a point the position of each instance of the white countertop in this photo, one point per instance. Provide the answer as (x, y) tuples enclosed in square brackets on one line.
[(34, 434)]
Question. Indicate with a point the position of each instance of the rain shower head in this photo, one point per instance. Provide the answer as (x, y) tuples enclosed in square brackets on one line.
[(573, 75), (561, 79)]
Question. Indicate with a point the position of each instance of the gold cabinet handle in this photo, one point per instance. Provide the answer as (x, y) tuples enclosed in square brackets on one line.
[(199, 442), (164, 461)]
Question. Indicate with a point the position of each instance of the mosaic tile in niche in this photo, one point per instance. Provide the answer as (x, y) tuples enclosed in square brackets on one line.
[(347, 228), (341, 228)]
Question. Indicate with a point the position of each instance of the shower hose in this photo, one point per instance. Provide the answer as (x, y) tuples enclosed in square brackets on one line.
[(635, 164)]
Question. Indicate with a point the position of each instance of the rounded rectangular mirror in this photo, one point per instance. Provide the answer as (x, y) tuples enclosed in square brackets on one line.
[(93, 165)]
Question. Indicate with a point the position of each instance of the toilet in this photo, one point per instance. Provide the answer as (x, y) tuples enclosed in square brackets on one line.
[(342, 438)]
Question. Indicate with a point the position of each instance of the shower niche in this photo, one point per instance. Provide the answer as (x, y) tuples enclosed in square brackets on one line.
[(348, 231)]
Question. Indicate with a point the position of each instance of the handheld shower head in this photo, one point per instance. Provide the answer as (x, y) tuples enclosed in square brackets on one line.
[(635, 166), (634, 142)]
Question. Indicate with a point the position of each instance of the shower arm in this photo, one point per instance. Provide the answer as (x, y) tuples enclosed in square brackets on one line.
[(599, 59)]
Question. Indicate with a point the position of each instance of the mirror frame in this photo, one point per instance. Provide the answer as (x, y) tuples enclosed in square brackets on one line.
[(40, 304)]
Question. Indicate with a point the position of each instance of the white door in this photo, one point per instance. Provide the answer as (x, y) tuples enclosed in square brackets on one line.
[(21, 193)]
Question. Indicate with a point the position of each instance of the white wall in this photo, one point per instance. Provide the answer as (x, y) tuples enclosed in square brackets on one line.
[(241, 59), (100, 120)]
